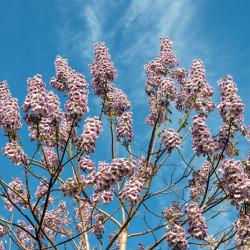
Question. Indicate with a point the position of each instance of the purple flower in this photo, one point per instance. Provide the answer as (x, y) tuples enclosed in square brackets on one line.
[(171, 139), (86, 165), (202, 142), (15, 153), (197, 228), (102, 70), (132, 190), (92, 128), (10, 119), (173, 213), (176, 237)]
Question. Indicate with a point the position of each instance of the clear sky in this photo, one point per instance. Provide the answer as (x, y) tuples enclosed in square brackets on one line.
[(34, 32)]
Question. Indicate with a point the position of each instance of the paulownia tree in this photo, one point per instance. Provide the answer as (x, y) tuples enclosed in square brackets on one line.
[(65, 199)]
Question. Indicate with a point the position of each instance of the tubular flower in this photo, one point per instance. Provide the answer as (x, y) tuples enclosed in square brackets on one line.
[(15, 153), (116, 101), (199, 181), (132, 190), (92, 128), (176, 237), (171, 139), (124, 127), (236, 182), (102, 70), (70, 188), (50, 158), (242, 237), (202, 144), (86, 165), (195, 87), (231, 106), (159, 88), (197, 228), (10, 119), (173, 213)]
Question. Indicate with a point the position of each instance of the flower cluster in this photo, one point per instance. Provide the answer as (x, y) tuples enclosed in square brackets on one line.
[(24, 239), (173, 213), (50, 158), (87, 212), (10, 119), (42, 190), (92, 128), (199, 181), (86, 165), (55, 221), (159, 88), (132, 190), (70, 187), (231, 107), (171, 139), (202, 142), (124, 127), (116, 101), (102, 70), (36, 101), (236, 181), (99, 228), (15, 153), (104, 196), (197, 228), (176, 237), (145, 167), (242, 227), (194, 88), (16, 195)]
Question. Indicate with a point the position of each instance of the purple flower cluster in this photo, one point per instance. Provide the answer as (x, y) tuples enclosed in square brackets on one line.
[(99, 228), (132, 190), (36, 101), (15, 153), (87, 212), (124, 127), (92, 128), (236, 181), (242, 227), (159, 88), (42, 190), (56, 220), (202, 142), (195, 87), (173, 213), (197, 227), (86, 165), (16, 195), (176, 237), (102, 70), (10, 119), (231, 107), (50, 158), (23, 237), (199, 181), (116, 101), (171, 139), (71, 186), (104, 196)]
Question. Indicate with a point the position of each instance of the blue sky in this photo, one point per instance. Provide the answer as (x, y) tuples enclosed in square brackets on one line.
[(34, 32)]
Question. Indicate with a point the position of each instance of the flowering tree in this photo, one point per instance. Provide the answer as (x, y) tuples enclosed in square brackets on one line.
[(65, 199)]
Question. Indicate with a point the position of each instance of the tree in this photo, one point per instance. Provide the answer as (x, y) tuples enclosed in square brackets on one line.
[(64, 198)]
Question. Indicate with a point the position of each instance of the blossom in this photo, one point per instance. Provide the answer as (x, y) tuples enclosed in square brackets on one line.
[(132, 190), (92, 128), (199, 181), (197, 228), (201, 141), (3, 231), (10, 119), (242, 227), (173, 213), (231, 106), (50, 158), (102, 70), (86, 165), (176, 237), (70, 188), (171, 139), (124, 127), (15, 153)]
